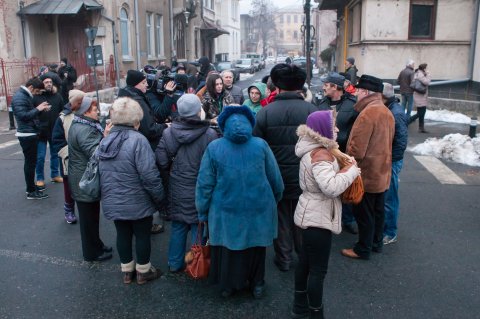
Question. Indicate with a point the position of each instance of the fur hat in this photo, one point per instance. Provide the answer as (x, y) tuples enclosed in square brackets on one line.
[(230, 110), (288, 77), (189, 105), (370, 83), (134, 77), (351, 60), (335, 78), (86, 103)]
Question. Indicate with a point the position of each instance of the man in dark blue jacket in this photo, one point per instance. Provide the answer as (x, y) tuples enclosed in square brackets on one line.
[(399, 145), (26, 115)]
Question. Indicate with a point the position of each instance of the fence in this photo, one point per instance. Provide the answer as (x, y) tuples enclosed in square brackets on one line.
[(15, 73)]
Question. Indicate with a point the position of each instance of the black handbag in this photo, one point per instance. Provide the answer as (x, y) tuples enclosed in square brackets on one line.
[(90, 181), (418, 86)]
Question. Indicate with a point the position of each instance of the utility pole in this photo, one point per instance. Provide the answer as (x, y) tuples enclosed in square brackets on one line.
[(307, 40)]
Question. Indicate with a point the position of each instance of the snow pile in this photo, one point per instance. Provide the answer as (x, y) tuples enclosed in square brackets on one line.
[(447, 116), (454, 147)]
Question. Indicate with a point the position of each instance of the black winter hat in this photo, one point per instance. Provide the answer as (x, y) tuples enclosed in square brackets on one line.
[(288, 77), (64, 60), (134, 77), (232, 109), (370, 83)]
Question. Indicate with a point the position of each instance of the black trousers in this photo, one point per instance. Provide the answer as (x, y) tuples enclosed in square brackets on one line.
[(289, 235), (370, 216), (29, 149), (313, 264), (89, 216), (126, 229)]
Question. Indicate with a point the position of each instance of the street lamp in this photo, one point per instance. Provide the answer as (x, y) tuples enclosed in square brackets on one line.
[(187, 15)]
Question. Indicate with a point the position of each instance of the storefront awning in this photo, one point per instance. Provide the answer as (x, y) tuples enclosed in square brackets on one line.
[(333, 5), (211, 30), (59, 7)]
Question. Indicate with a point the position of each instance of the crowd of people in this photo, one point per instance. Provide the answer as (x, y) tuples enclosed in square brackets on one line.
[(265, 170)]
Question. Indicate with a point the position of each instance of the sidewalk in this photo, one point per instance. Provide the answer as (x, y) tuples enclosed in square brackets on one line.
[(5, 124)]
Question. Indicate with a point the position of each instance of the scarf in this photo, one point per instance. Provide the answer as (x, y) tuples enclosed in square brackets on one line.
[(93, 123)]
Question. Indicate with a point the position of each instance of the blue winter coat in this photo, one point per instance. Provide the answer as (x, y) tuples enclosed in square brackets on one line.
[(26, 114), (400, 139), (238, 187), (131, 186)]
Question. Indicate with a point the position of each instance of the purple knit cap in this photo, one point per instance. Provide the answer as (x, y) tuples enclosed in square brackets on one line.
[(322, 123)]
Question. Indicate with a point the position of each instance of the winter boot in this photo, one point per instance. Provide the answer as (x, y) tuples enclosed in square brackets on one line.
[(300, 305), (316, 313), (70, 217), (421, 128), (147, 273), (128, 271)]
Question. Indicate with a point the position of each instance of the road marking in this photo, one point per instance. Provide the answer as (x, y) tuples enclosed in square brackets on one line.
[(8, 144), (441, 172), (16, 153), (59, 261)]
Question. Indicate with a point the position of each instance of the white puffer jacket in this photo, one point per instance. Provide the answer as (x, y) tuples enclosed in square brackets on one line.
[(319, 205)]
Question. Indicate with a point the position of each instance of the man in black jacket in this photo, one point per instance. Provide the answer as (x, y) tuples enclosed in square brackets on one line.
[(335, 97), (47, 122), (26, 115), (68, 75), (136, 89), (277, 124)]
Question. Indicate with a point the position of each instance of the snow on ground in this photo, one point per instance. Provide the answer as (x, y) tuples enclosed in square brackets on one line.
[(454, 147)]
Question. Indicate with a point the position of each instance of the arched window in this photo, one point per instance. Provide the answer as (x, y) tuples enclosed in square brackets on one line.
[(125, 33)]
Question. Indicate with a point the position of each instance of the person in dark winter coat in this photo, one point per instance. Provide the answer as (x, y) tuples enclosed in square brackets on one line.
[(400, 140), (131, 188), (277, 124), (405, 78), (84, 137), (179, 154), (351, 69), (59, 144), (136, 89), (238, 188), (47, 121), (68, 75), (334, 96), (26, 115)]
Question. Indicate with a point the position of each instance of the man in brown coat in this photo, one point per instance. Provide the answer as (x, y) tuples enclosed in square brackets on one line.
[(370, 143)]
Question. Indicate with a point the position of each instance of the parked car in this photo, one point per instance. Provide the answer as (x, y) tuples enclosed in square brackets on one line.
[(246, 66), (270, 60), (256, 63), (231, 66)]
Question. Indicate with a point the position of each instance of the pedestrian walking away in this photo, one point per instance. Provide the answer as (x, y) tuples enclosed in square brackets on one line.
[(405, 79), (421, 98)]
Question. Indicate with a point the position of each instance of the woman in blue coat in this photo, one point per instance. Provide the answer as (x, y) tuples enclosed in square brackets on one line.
[(238, 188)]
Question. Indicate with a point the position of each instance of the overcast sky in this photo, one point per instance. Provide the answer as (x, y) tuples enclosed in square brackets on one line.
[(245, 4)]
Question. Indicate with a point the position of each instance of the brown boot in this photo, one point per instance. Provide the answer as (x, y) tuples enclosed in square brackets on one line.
[(149, 275)]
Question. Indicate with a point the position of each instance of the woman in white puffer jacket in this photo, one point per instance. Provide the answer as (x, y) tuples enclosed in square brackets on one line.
[(319, 209)]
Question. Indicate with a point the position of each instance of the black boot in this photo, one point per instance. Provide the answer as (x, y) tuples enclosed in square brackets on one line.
[(316, 313), (300, 305), (421, 128), (412, 118)]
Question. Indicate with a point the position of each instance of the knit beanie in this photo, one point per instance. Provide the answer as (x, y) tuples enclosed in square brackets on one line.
[(351, 60), (322, 123), (134, 77), (86, 103), (189, 105), (73, 94)]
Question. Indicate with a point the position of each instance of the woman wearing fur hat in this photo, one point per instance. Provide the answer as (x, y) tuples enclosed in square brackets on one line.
[(319, 210), (238, 187), (216, 97)]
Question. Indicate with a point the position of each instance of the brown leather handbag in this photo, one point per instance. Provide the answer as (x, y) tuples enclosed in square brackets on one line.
[(354, 193), (197, 260)]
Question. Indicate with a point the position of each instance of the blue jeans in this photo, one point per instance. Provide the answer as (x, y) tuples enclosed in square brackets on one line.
[(392, 202), (347, 214), (178, 241), (407, 103), (41, 153)]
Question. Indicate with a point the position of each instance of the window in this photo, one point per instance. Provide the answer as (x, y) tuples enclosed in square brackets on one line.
[(150, 36), (288, 19), (295, 19), (295, 34), (125, 33), (159, 35), (422, 19), (209, 4)]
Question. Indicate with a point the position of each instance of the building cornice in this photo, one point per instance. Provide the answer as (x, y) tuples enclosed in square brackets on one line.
[(409, 42)]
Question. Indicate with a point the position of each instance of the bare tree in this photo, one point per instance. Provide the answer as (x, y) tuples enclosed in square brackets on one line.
[(263, 14)]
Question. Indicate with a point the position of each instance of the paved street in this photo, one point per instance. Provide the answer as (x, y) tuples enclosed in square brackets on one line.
[(431, 272)]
